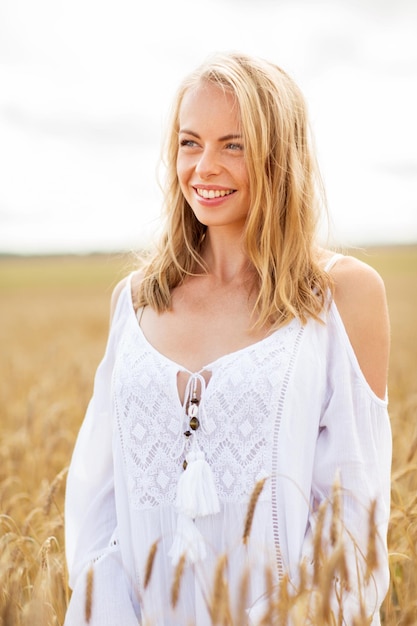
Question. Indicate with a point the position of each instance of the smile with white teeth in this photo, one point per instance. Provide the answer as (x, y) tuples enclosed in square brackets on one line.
[(213, 193)]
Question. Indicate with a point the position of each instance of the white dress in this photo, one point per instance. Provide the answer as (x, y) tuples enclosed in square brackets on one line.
[(294, 408)]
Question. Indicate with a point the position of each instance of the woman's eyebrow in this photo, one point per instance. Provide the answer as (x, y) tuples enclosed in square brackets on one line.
[(228, 137)]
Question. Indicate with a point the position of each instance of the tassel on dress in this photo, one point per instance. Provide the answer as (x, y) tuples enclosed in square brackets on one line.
[(196, 494), (196, 491)]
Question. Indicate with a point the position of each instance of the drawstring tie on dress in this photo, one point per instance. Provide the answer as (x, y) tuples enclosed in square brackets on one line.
[(196, 491)]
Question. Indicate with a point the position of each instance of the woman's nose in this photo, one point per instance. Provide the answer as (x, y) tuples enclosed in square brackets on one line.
[(208, 163)]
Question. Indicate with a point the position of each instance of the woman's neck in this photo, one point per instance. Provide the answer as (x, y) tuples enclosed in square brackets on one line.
[(225, 258)]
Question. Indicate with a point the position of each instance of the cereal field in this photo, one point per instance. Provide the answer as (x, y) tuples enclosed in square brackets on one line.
[(54, 320)]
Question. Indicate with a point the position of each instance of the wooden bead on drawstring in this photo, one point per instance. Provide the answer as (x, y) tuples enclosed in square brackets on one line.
[(194, 423), (192, 412)]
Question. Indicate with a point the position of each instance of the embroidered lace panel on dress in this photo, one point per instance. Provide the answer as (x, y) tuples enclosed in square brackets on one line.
[(240, 405)]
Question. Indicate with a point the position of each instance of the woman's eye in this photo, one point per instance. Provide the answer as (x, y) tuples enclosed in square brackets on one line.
[(234, 146), (187, 143)]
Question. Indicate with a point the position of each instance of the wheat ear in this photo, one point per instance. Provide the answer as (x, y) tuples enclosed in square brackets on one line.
[(149, 563), (251, 508), (175, 589), (89, 594)]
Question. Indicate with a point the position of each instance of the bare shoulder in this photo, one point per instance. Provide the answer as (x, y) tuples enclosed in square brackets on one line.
[(356, 283), (359, 294)]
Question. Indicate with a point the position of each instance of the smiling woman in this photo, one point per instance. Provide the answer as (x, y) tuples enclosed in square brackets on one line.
[(242, 391)]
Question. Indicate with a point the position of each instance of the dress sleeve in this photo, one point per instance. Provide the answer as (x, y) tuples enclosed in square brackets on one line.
[(355, 445), (90, 512)]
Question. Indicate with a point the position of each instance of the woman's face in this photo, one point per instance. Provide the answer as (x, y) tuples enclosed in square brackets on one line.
[(211, 164)]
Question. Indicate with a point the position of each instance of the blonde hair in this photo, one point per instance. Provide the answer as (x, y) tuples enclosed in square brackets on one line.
[(286, 197)]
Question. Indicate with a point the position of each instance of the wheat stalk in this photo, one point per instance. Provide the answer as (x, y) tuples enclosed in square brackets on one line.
[(243, 597), (219, 607), (318, 542), (334, 563), (336, 521), (284, 603), (251, 508), (50, 497), (175, 589), (44, 553), (372, 552), (149, 563), (89, 588)]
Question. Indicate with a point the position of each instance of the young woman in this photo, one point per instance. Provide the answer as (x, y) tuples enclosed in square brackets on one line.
[(240, 355)]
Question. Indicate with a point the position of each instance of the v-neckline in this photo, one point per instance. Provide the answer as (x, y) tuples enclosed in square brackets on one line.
[(212, 364)]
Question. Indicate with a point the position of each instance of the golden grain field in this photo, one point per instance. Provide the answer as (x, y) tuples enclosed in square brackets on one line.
[(54, 320)]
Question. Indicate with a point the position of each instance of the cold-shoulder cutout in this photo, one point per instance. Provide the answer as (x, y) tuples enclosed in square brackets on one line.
[(359, 295)]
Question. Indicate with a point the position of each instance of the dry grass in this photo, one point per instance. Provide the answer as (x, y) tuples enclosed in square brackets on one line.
[(54, 319)]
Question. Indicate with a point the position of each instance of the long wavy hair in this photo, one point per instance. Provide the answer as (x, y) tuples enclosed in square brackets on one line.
[(286, 192)]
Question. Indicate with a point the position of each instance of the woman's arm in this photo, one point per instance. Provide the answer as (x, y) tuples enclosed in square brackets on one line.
[(92, 546), (354, 442)]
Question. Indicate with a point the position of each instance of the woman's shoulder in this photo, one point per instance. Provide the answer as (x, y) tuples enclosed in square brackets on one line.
[(358, 287), (354, 281), (359, 295)]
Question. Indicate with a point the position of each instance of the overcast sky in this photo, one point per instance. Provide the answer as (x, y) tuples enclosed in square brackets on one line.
[(85, 88)]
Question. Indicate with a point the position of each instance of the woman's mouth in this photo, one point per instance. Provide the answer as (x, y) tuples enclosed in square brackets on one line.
[(210, 194)]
